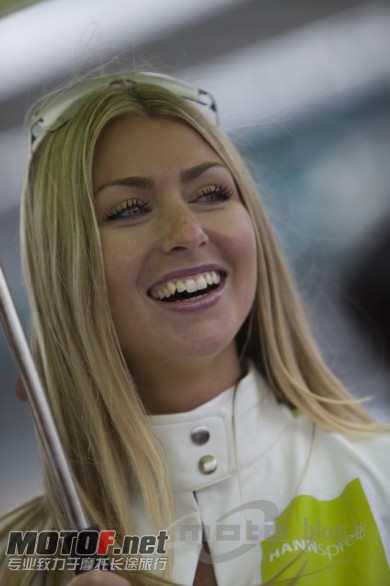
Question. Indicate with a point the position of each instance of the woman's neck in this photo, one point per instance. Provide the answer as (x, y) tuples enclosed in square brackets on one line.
[(177, 386)]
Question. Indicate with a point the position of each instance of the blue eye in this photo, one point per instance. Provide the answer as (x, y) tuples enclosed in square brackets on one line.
[(215, 194), (131, 208)]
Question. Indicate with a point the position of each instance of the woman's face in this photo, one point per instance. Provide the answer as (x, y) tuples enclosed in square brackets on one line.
[(178, 244)]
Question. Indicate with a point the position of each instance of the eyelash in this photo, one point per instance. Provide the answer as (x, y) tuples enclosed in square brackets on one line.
[(222, 193), (129, 204)]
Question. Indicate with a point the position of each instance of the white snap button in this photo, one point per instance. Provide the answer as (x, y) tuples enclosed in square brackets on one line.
[(207, 464), (200, 435)]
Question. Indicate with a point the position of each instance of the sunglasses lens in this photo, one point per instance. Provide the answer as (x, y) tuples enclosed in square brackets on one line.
[(60, 110)]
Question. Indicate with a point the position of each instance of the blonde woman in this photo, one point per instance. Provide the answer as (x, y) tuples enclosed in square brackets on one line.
[(185, 383)]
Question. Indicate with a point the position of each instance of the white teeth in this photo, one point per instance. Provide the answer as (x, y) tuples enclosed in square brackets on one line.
[(171, 287), (216, 278), (201, 283), (191, 286), (198, 283)]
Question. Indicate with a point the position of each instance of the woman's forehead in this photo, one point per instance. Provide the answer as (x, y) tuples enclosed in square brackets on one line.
[(146, 146)]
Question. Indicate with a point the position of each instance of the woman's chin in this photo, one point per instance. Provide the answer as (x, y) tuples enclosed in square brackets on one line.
[(189, 350)]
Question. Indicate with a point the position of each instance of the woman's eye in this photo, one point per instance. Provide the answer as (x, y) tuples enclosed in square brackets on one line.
[(131, 208), (215, 194)]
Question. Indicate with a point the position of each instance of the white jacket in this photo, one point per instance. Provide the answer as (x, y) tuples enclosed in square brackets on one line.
[(278, 493)]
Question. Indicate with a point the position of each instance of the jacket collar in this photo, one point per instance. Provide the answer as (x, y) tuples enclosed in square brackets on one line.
[(202, 446)]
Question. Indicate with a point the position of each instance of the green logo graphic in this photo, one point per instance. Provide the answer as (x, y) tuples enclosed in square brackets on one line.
[(326, 542)]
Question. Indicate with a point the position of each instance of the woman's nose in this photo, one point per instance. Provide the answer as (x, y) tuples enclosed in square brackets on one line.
[(181, 230)]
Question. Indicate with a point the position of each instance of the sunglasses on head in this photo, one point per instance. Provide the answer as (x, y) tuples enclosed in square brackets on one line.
[(62, 108)]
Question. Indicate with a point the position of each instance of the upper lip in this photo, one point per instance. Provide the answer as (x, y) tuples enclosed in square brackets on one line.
[(188, 272)]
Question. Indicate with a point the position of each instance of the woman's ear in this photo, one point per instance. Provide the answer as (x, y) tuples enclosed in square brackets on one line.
[(20, 390)]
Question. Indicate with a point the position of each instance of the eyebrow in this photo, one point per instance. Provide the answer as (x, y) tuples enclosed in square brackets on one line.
[(194, 172), (146, 183)]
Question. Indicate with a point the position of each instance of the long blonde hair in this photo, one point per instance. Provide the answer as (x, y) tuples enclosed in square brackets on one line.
[(113, 452)]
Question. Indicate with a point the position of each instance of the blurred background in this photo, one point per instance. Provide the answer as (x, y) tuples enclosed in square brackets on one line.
[(303, 90)]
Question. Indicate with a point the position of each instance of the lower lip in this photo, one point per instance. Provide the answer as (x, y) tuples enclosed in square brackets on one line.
[(201, 303)]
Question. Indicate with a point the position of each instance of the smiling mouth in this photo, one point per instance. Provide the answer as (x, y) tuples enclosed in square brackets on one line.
[(189, 289)]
